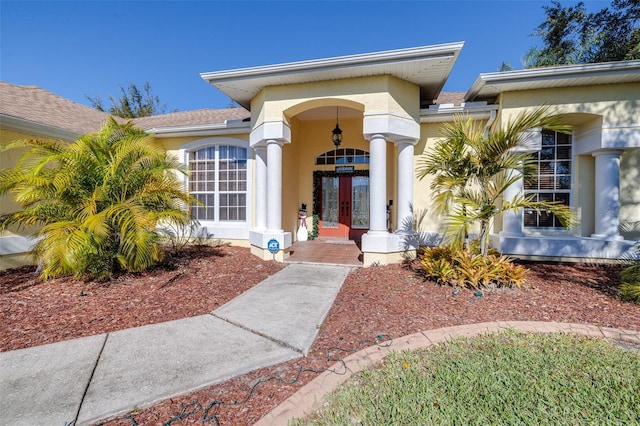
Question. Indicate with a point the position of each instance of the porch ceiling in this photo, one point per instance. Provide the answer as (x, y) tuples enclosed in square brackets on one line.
[(427, 67)]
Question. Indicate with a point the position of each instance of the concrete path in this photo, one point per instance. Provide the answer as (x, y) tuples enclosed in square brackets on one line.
[(88, 379)]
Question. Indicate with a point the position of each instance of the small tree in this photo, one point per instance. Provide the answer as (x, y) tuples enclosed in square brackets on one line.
[(98, 201), (472, 170), (133, 102)]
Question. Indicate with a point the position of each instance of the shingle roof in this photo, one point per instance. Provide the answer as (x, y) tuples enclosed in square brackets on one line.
[(40, 106), (192, 118), (455, 98)]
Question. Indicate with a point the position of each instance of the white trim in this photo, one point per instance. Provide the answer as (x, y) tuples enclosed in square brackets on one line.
[(392, 126), (224, 229), (374, 58), (244, 84), (551, 231), (36, 129), (229, 127), (491, 84), (278, 130), (439, 113), (14, 244)]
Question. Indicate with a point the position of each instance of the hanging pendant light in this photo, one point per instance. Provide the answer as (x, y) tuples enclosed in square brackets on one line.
[(337, 132)]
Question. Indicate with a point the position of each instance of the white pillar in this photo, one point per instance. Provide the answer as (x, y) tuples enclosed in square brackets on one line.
[(607, 188), (405, 186), (378, 184), (512, 220), (274, 185), (261, 188)]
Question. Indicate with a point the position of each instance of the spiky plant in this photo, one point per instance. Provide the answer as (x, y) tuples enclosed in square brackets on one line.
[(473, 168), (97, 201)]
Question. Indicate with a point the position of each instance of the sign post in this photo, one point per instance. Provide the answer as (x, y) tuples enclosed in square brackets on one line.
[(273, 245)]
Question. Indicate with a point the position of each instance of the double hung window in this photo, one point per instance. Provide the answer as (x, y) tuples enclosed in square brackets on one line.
[(552, 179), (219, 181)]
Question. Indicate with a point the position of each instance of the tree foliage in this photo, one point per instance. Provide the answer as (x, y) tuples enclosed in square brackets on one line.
[(98, 201), (133, 102), (570, 35), (472, 168)]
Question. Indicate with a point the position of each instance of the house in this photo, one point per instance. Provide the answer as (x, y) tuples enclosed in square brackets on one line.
[(254, 167)]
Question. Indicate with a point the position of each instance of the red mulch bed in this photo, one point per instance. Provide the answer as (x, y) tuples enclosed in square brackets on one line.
[(388, 302), (197, 281)]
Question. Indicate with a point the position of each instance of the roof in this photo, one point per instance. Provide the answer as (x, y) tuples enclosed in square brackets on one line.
[(426, 66), (192, 118), (23, 107), (488, 86), (455, 98), (37, 111)]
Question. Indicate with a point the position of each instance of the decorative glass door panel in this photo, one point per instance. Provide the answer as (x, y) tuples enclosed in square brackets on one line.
[(360, 202), (344, 206), (329, 215)]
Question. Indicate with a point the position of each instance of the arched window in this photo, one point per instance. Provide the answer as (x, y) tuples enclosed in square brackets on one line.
[(219, 181), (343, 156), (552, 182)]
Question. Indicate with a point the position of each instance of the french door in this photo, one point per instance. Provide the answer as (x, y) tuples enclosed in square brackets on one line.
[(344, 206)]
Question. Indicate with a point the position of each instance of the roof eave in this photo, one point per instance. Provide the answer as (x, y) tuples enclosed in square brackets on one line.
[(228, 128), (264, 76), (489, 85), (447, 112), (29, 127)]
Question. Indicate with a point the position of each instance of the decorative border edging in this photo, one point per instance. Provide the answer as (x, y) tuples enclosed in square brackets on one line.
[(311, 396)]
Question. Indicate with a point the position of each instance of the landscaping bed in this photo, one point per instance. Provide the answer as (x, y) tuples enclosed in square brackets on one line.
[(195, 282), (374, 303)]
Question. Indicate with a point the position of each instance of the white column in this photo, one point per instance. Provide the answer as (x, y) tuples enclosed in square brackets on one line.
[(261, 188), (405, 186), (274, 186), (512, 220), (378, 184), (607, 188)]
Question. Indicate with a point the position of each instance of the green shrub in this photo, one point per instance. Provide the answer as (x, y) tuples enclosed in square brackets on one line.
[(630, 283), (97, 203), (313, 234), (457, 267)]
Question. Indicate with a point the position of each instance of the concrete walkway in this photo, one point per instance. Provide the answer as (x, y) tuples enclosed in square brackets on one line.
[(88, 379)]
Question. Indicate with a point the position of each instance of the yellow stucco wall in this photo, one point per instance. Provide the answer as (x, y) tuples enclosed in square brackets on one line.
[(630, 194), (616, 103), (8, 159), (592, 111), (374, 95), (429, 135), (310, 139)]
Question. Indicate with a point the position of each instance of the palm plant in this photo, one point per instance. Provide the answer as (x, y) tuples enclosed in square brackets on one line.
[(473, 168), (97, 201)]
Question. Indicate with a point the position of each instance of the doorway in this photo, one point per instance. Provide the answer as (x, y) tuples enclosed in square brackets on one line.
[(343, 205)]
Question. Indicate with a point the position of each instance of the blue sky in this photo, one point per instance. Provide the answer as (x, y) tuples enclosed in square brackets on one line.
[(78, 48)]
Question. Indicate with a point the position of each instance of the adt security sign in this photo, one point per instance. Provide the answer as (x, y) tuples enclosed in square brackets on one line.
[(273, 245)]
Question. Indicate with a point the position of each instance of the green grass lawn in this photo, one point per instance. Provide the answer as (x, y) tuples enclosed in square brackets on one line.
[(508, 378)]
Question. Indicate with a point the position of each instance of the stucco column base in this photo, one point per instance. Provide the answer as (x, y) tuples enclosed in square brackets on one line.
[(383, 248), (259, 240)]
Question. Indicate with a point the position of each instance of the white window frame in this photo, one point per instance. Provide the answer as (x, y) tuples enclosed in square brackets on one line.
[(237, 229), (538, 230)]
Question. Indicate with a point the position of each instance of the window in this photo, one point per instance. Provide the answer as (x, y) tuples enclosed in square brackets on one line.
[(343, 156), (552, 179), (219, 181)]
